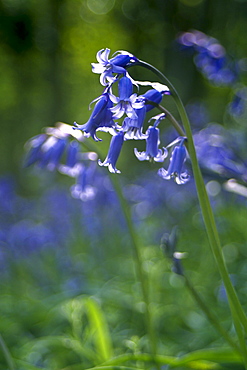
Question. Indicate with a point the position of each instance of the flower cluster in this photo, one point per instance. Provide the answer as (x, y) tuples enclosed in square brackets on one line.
[(132, 109), (222, 158), (210, 57), (58, 148), (121, 111)]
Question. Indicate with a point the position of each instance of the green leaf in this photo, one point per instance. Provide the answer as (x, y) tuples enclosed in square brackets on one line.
[(100, 329)]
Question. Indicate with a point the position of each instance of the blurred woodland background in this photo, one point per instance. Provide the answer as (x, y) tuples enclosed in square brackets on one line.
[(54, 248), (47, 48)]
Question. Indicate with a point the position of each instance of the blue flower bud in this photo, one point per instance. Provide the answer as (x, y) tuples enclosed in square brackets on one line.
[(114, 151)]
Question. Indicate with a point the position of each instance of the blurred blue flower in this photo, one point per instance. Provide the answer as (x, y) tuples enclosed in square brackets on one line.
[(26, 236), (107, 67), (83, 189), (220, 157), (177, 160), (114, 151), (198, 114), (47, 150), (51, 152), (210, 57), (152, 144), (70, 167), (238, 104)]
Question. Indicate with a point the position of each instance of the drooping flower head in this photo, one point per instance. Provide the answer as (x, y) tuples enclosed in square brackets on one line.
[(177, 160), (46, 150), (114, 151), (108, 67), (152, 144)]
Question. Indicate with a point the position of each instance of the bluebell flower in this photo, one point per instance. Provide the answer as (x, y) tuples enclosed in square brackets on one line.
[(127, 102), (168, 246), (114, 151), (210, 57), (34, 146), (26, 236), (238, 104), (52, 151), (154, 96), (83, 189), (177, 160), (152, 144), (47, 150), (222, 158), (72, 159), (107, 67), (197, 113), (100, 119), (133, 126)]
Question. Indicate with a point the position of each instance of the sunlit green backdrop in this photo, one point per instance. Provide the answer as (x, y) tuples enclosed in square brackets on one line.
[(46, 48)]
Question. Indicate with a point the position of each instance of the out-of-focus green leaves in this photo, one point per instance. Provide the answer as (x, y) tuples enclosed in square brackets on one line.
[(100, 329), (88, 321)]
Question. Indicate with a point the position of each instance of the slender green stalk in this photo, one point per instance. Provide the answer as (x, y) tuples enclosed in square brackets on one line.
[(206, 209), (136, 251), (7, 354), (240, 334), (138, 260), (211, 317), (170, 117)]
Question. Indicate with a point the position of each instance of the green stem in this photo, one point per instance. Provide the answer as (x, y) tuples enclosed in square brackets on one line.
[(138, 262), (170, 117), (7, 354), (240, 334), (211, 317), (136, 251), (206, 209)]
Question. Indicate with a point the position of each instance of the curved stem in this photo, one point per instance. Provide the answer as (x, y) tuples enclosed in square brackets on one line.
[(206, 209), (170, 117)]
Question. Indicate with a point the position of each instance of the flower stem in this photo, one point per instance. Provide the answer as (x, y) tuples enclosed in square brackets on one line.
[(138, 262), (206, 209), (136, 252), (211, 317), (7, 354)]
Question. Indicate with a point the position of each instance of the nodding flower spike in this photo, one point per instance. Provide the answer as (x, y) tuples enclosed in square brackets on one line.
[(177, 160), (114, 151)]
